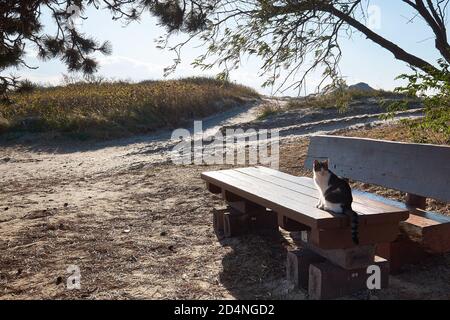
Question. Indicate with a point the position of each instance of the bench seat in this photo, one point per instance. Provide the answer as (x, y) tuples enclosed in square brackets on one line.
[(296, 198)]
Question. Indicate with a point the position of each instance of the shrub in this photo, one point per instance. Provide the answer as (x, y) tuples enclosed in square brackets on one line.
[(434, 90)]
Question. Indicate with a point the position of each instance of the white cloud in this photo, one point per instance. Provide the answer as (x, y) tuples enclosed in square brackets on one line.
[(44, 79), (116, 60)]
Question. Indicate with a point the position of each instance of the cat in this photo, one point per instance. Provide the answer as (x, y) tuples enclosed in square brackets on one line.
[(335, 195)]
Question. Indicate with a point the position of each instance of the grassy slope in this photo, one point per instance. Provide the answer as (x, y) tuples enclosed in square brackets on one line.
[(341, 98), (333, 100), (117, 109)]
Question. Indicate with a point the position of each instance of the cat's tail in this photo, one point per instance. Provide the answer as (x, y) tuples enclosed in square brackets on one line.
[(354, 224)]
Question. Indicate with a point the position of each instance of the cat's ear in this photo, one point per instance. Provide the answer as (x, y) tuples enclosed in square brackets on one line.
[(316, 165), (325, 164)]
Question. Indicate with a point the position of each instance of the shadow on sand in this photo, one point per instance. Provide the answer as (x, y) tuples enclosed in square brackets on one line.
[(255, 268)]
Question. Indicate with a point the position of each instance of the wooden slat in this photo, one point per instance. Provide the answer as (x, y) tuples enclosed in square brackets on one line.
[(420, 169), (432, 216), (260, 186), (341, 238), (381, 212), (432, 234), (279, 199), (303, 190), (259, 178), (358, 196)]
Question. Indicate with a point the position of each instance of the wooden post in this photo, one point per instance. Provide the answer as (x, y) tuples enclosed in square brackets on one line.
[(247, 207), (213, 188), (257, 218), (218, 218), (400, 252), (328, 281), (235, 224), (297, 266), (264, 223), (290, 225), (415, 201), (351, 258), (230, 196)]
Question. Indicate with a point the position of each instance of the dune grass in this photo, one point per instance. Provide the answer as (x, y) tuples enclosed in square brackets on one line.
[(341, 99), (113, 109), (268, 110)]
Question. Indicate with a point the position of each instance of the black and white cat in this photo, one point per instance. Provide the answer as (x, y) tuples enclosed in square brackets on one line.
[(335, 195)]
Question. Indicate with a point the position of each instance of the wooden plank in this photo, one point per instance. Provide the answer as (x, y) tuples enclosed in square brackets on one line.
[(341, 238), (231, 197), (303, 191), (247, 207), (401, 252), (415, 201), (305, 186), (431, 215), (290, 225), (420, 169), (433, 235), (358, 196), (275, 198), (328, 281), (350, 258)]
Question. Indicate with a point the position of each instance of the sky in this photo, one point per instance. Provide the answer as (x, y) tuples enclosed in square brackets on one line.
[(135, 56)]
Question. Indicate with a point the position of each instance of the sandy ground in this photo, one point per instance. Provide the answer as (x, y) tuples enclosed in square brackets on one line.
[(139, 226)]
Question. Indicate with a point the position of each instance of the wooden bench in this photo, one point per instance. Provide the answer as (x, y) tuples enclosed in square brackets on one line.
[(419, 170), (260, 198), (294, 200)]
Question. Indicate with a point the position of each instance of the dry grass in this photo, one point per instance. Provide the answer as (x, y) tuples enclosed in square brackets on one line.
[(268, 109), (340, 99), (115, 109)]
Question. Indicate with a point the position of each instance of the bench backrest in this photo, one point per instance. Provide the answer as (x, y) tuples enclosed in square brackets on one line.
[(420, 169)]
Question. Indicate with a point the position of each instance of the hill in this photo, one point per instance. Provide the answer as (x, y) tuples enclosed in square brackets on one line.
[(113, 109), (361, 86)]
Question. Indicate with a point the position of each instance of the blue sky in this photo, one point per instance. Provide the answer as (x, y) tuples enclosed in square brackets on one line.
[(135, 56)]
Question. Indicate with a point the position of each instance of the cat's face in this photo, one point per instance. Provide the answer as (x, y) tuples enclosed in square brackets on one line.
[(320, 167)]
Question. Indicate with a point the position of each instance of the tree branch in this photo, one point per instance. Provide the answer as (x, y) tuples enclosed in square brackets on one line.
[(398, 52)]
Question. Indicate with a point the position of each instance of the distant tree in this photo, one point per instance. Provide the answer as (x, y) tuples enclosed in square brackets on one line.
[(285, 34)]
